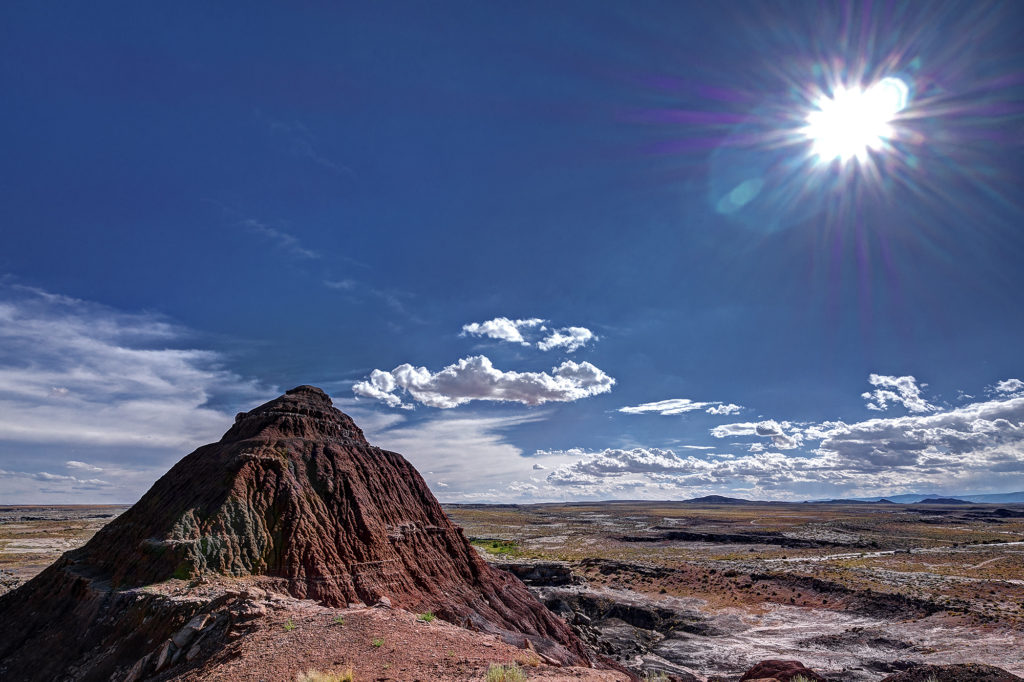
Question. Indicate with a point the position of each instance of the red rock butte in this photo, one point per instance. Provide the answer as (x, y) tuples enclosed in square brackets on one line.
[(292, 493)]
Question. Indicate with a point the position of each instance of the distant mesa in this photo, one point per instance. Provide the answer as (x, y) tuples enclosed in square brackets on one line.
[(717, 499), (943, 500), (292, 501)]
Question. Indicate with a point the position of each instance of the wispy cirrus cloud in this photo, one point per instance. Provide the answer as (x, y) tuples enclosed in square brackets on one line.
[(476, 378), (283, 240), (675, 406), (79, 376)]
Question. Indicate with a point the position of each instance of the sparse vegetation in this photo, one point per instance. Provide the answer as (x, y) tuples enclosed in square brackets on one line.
[(317, 676), (427, 617), (505, 672), (289, 625), (499, 547), (378, 643), (338, 620), (660, 676)]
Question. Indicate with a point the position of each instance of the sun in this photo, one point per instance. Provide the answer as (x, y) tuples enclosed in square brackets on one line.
[(854, 120)]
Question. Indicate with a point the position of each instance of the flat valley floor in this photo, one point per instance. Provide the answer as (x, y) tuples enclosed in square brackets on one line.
[(856, 591)]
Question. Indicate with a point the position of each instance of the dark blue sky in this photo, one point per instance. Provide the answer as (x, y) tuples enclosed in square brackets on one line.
[(303, 194)]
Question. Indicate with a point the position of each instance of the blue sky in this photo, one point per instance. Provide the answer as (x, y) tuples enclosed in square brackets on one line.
[(503, 236)]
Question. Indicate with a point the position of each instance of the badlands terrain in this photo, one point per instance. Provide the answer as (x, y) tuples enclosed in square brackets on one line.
[(855, 591), (711, 587)]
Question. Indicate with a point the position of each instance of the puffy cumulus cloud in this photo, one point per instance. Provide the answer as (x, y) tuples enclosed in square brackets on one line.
[(979, 435), (124, 390), (896, 391), (539, 467), (566, 339), (1009, 386), (674, 406), (764, 429), (502, 329), (475, 378), (569, 339)]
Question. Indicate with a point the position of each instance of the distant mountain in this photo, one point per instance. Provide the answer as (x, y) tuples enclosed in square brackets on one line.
[(942, 500), (982, 498), (717, 499)]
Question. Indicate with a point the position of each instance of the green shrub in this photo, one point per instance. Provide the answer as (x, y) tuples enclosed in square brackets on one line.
[(499, 547), (289, 625), (426, 617), (378, 642)]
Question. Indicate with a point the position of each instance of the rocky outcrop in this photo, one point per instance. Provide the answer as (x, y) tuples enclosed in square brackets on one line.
[(780, 671), (293, 494), (540, 573)]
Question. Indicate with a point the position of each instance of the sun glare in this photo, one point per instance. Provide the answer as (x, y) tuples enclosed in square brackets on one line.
[(853, 121)]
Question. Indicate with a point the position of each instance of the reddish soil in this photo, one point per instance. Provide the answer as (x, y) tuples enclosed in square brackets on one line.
[(298, 636)]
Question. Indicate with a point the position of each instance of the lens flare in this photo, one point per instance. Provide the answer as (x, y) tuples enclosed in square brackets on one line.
[(853, 121)]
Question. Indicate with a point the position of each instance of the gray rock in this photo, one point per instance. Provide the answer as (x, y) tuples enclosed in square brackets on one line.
[(163, 656)]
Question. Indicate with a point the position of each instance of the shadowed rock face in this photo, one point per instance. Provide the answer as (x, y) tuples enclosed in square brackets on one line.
[(293, 492)]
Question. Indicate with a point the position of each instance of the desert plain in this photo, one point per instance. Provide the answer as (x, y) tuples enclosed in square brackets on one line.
[(708, 588)]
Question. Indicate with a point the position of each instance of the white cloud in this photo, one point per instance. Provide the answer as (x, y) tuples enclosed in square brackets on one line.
[(569, 339), (660, 471), (502, 329), (475, 378), (72, 464), (896, 390), (765, 429), (666, 407), (1009, 386), (674, 406), (539, 467), (987, 434)]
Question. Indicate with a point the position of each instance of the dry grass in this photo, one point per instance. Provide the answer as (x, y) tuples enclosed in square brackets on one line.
[(505, 672), (528, 659)]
